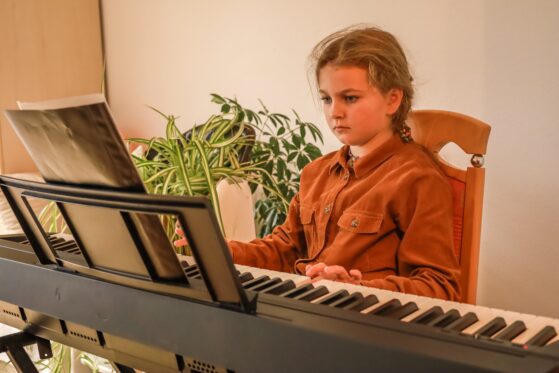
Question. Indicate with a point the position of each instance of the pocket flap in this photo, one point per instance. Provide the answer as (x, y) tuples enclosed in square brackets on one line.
[(306, 214), (359, 222)]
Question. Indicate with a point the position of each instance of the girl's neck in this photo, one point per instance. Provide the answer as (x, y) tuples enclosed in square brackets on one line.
[(380, 138)]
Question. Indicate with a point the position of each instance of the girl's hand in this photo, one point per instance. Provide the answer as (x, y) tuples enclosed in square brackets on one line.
[(182, 241), (335, 273)]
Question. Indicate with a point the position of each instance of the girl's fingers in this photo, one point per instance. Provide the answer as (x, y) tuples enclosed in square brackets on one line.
[(356, 274), (179, 243), (315, 269), (338, 272)]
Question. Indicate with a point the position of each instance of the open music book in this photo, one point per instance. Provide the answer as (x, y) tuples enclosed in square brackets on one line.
[(75, 141)]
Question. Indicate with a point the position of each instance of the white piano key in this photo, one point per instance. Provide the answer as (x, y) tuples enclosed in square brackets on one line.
[(297, 279), (257, 272), (533, 327), (555, 324), (554, 340), (511, 316), (484, 316), (423, 304), (187, 258), (387, 297), (332, 287)]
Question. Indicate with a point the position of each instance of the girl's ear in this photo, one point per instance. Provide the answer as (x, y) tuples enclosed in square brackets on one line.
[(393, 100)]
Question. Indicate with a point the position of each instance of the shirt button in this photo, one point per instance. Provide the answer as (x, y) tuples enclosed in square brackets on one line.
[(346, 176), (327, 209), (354, 223)]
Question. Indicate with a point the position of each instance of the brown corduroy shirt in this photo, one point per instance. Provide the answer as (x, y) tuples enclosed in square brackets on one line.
[(390, 216)]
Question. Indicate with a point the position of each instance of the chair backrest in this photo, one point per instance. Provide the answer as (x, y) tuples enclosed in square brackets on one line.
[(434, 129)]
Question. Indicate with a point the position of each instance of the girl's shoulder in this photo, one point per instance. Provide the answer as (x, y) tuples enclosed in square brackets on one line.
[(416, 156), (416, 167)]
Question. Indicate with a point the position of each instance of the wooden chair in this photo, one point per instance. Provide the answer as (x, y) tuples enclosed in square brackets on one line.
[(434, 129)]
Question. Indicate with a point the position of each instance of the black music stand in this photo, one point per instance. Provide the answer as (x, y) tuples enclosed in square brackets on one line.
[(195, 214)]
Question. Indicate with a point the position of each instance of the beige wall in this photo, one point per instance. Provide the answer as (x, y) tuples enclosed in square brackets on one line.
[(48, 49), (496, 60)]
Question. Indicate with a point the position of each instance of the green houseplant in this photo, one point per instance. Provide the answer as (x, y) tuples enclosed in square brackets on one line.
[(192, 166)]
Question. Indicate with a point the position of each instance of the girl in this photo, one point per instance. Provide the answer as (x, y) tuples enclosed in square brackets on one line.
[(377, 212)]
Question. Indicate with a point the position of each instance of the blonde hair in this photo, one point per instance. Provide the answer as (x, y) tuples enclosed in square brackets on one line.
[(375, 50)]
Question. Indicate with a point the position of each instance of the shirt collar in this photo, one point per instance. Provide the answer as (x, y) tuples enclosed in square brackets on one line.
[(369, 161)]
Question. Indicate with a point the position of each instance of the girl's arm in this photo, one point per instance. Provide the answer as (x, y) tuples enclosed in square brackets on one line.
[(277, 251)]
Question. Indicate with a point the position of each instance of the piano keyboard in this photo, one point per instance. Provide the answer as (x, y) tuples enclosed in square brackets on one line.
[(518, 329)]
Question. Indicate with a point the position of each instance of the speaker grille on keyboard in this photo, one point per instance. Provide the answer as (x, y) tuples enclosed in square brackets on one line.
[(198, 366)]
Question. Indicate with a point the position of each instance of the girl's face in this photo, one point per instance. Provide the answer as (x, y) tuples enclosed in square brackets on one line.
[(357, 113)]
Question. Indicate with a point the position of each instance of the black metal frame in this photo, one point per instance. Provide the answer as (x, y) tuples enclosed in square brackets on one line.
[(13, 345)]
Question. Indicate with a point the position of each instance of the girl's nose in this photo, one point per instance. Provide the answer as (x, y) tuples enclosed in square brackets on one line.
[(336, 110)]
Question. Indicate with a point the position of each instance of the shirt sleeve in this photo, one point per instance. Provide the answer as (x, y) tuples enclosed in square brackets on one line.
[(426, 261), (277, 251)]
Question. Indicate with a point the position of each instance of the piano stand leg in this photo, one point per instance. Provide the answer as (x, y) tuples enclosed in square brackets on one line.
[(13, 345)]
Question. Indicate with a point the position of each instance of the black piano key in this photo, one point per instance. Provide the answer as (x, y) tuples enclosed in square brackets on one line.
[(367, 302), (542, 337), (65, 246), (386, 308), (55, 241), (245, 276), (350, 300), (66, 243), (280, 288), (445, 319), (297, 291), (312, 294), (512, 331), (334, 297), (428, 315), (403, 311), (184, 263), (462, 323), (256, 281), (491, 327), (194, 273), (265, 284), (190, 269)]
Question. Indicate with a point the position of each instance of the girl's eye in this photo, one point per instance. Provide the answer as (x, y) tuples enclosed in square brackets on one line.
[(326, 100), (351, 98)]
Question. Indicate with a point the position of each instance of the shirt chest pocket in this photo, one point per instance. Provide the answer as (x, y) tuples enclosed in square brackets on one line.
[(306, 215), (360, 222), (307, 220)]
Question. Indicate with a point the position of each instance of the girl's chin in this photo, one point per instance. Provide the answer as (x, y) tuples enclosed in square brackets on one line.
[(346, 140)]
